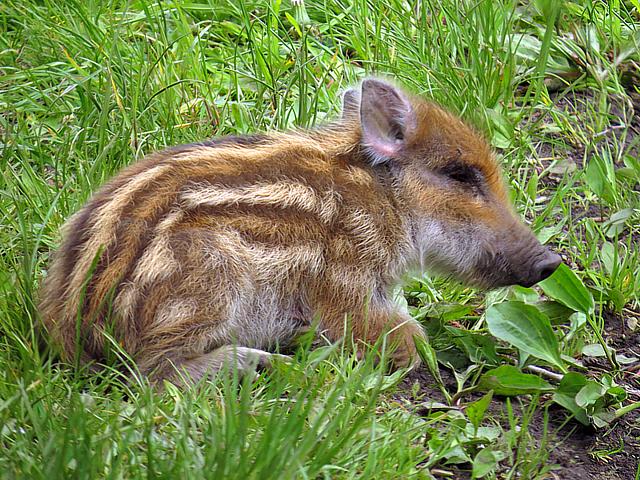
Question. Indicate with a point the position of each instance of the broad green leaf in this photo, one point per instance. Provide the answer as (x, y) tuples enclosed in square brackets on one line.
[(558, 313), (608, 256), (507, 380), (595, 177), (603, 418), (476, 410), (433, 405), (454, 358), (547, 233), (589, 394), (627, 173), (522, 294), (607, 381), (485, 434), (526, 328), (526, 47), (624, 360), (597, 350), (617, 298), (532, 186), (593, 350), (565, 287), (578, 319), (617, 394), (566, 392), (618, 221), (479, 348), (563, 166), (572, 382), (451, 452), (485, 462), (568, 402), (600, 176)]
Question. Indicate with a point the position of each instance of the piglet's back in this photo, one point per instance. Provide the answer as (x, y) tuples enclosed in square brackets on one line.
[(136, 261)]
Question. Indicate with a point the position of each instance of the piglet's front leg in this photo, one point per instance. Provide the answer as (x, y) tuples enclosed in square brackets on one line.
[(402, 333), (376, 321)]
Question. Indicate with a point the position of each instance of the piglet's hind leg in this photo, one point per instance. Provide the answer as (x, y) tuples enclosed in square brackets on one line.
[(231, 358)]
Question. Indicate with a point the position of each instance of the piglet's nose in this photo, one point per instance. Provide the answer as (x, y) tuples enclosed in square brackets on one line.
[(541, 269), (545, 266)]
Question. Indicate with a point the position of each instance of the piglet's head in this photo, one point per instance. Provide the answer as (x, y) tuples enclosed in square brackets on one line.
[(463, 224)]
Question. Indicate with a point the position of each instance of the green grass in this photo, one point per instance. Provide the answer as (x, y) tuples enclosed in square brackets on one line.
[(89, 87)]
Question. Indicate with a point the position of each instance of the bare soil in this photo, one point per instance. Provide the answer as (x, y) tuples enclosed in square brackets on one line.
[(576, 452)]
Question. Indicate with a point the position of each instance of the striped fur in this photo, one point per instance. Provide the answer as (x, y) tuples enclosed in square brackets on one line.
[(244, 241)]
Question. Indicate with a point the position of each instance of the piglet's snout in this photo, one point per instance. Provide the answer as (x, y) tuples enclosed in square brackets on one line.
[(542, 268)]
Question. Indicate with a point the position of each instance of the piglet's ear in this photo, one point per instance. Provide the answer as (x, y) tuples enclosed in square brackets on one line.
[(386, 116), (351, 104)]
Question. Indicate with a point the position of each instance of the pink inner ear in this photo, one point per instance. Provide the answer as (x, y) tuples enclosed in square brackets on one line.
[(382, 148)]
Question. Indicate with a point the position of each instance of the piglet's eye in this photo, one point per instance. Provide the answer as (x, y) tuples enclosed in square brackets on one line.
[(462, 173)]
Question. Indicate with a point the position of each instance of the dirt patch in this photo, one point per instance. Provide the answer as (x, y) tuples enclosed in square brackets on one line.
[(621, 131), (559, 154), (578, 452), (582, 452), (620, 332)]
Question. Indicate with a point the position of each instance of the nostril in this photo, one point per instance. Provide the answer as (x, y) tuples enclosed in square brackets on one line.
[(548, 265), (546, 272)]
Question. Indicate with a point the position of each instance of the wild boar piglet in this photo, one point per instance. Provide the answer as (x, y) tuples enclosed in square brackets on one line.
[(217, 252)]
